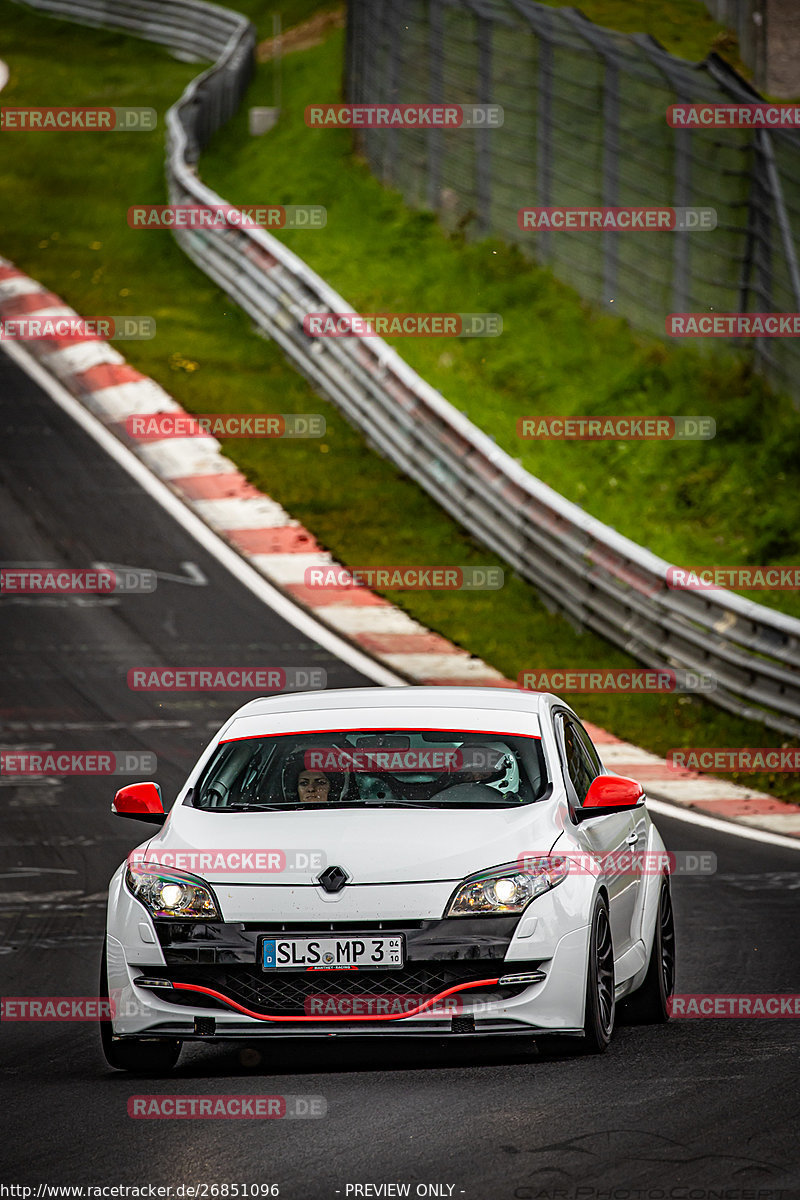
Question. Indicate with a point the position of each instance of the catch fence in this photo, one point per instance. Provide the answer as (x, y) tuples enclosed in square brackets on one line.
[(585, 125)]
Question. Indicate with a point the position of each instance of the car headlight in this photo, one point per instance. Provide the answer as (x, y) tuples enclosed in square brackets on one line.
[(172, 894), (508, 889)]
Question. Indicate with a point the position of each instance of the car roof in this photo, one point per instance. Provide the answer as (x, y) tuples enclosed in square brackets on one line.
[(509, 699), (489, 709)]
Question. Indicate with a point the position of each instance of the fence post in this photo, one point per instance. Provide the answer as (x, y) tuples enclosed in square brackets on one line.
[(352, 67), (761, 249), (681, 197), (610, 173), (436, 96), (388, 9), (483, 154), (544, 130), (768, 152), (355, 65)]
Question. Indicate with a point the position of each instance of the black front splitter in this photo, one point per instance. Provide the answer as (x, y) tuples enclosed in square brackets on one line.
[(250, 1032)]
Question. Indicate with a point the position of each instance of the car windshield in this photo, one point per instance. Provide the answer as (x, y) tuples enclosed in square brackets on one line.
[(373, 769)]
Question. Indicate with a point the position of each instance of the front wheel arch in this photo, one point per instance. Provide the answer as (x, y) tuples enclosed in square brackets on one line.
[(145, 1057), (600, 1006)]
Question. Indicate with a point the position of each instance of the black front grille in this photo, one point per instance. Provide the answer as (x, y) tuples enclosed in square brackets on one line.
[(286, 994)]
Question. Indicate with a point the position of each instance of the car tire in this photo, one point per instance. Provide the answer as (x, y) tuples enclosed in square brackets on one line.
[(600, 1010), (649, 1004), (138, 1056)]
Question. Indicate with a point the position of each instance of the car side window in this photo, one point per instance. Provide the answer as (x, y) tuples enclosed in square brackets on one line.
[(580, 763), (589, 747)]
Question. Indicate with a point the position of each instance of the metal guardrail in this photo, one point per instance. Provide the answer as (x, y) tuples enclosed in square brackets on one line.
[(601, 579)]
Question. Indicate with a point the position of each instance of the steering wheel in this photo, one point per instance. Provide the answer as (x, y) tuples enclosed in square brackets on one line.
[(376, 787), (423, 790)]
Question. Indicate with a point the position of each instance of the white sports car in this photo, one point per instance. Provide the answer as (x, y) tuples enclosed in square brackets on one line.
[(419, 860)]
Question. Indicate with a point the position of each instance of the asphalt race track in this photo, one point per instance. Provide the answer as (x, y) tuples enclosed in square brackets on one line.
[(699, 1104)]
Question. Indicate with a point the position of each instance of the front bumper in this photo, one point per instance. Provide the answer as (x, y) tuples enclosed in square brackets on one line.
[(213, 986), (439, 996)]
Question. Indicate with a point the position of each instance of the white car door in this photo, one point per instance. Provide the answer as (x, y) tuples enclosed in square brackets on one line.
[(614, 835)]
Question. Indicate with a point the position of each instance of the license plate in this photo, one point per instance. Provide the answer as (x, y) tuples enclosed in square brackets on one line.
[(330, 954)]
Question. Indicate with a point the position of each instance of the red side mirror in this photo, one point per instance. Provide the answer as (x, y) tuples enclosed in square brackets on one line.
[(613, 791), (141, 801)]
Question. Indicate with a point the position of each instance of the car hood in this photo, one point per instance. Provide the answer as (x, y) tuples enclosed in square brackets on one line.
[(371, 845)]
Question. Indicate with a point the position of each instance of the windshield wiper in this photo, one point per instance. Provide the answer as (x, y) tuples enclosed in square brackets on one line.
[(251, 808), (381, 804), (475, 804), (291, 806), (323, 806)]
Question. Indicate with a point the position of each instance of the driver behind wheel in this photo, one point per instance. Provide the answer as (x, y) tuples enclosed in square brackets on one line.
[(307, 785), (313, 786)]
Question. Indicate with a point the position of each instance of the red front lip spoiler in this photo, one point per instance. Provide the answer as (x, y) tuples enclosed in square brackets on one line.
[(248, 1012)]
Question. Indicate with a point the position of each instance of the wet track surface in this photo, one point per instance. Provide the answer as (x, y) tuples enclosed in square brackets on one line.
[(699, 1104)]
